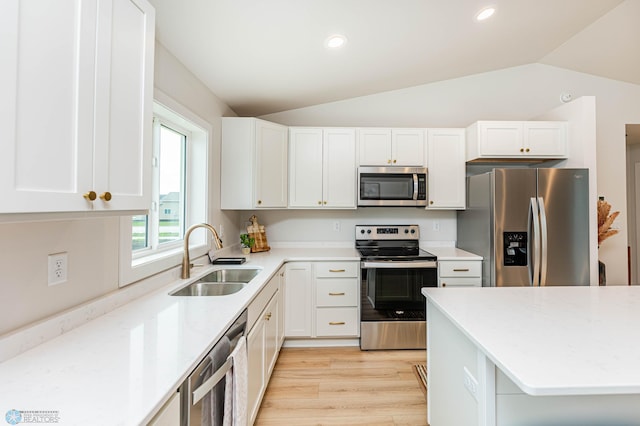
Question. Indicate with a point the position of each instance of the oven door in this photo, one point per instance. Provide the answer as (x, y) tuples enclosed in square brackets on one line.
[(397, 285)]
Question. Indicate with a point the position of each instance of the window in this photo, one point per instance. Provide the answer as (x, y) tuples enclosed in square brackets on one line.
[(165, 223), (154, 242)]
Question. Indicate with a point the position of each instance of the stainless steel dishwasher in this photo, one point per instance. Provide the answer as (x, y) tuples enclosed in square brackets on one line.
[(202, 393)]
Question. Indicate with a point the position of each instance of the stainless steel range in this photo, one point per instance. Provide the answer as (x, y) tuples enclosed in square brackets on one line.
[(393, 269)]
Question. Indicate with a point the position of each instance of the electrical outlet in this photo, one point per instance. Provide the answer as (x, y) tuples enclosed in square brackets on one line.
[(57, 268), (470, 383), (336, 226), (436, 225)]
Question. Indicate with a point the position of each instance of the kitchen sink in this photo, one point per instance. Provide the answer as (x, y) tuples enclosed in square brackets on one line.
[(219, 283), (235, 275), (200, 288)]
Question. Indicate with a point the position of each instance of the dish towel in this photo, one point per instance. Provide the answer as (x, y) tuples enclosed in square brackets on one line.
[(235, 395), (213, 402)]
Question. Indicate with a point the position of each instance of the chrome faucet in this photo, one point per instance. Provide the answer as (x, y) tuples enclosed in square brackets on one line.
[(186, 263)]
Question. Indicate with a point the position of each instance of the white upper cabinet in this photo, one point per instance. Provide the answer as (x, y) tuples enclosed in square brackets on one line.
[(254, 164), (517, 139), (391, 147), (446, 169), (322, 168), (75, 115)]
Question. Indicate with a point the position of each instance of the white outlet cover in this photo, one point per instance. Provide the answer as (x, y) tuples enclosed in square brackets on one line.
[(57, 268)]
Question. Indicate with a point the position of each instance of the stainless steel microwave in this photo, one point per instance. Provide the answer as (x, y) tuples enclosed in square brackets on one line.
[(392, 186)]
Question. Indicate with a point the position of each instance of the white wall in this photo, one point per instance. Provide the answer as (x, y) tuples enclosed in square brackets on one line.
[(522, 92), (92, 244)]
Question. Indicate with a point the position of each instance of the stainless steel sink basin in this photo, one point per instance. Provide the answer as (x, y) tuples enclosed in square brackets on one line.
[(235, 275), (200, 288), (219, 283)]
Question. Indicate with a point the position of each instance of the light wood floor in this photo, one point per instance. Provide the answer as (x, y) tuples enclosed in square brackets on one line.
[(344, 386)]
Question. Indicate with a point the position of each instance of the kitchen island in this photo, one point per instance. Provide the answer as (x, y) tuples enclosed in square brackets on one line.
[(533, 356)]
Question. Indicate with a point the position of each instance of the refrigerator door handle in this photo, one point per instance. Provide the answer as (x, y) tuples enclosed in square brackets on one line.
[(534, 241), (544, 242)]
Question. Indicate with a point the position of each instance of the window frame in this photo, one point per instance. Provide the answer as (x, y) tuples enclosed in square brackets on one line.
[(148, 262)]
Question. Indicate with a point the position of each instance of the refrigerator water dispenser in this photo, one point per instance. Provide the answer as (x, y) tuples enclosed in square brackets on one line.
[(515, 248)]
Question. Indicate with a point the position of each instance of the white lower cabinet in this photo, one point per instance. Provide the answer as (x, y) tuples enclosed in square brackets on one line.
[(169, 414), (460, 273), (322, 299), (263, 342)]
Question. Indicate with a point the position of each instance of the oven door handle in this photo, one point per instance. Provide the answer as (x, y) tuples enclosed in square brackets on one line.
[(399, 264)]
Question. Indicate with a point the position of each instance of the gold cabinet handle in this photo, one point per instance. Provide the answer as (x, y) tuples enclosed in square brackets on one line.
[(337, 270), (91, 196), (461, 270), (105, 196), (337, 294), (337, 323), (267, 316)]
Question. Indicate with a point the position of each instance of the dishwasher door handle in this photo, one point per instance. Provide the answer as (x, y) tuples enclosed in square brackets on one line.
[(210, 383)]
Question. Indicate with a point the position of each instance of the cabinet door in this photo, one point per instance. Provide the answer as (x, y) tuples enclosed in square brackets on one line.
[(124, 100), (270, 336), (339, 168), (298, 300), (545, 138), (271, 165), (256, 367), (500, 138), (407, 147), (305, 168), (375, 146), (46, 107), (446, 165)]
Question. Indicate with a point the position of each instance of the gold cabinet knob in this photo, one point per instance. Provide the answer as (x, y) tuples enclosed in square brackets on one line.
[(267, 316), (395, 161), (91, 195), (105, 196), (521, 149), (319, 203), (527, 150), (388, 161), (325, 202), (444, 284), (430, 201), (259, 201)]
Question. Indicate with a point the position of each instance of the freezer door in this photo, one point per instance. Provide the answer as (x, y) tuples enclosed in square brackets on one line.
[(565, 193), (513, 190)]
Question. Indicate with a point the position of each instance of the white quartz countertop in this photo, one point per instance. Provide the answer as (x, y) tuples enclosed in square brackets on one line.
[(451, 253), (553, 340), (121, 367)]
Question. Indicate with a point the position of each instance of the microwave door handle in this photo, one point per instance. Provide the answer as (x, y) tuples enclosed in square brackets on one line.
[(415, 186)]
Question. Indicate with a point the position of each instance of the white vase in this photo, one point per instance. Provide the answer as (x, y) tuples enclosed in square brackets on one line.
[(246, 250)]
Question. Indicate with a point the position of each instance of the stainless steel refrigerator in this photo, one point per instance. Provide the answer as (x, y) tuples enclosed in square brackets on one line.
[(531, 226)]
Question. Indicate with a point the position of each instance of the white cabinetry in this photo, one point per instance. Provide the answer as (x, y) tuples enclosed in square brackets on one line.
[(298, 302), (446, 168), (322, 168), (517, 139), (322, 299), (459, 273), (263, 342), (254, 164), (75, 114), (337, 298), (169, 414), (391, 147)]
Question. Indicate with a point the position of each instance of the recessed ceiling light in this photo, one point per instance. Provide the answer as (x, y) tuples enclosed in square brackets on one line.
[(485, 13), (335, 41)]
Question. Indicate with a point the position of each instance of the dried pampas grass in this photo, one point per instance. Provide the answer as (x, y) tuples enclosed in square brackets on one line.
[(605, 221)]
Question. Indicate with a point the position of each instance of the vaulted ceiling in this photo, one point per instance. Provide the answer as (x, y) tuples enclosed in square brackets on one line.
[(265, 56)]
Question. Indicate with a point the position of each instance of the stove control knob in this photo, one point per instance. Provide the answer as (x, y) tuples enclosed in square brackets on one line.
[(413, 231), (368, 231), (362, 231), (406, 231)]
